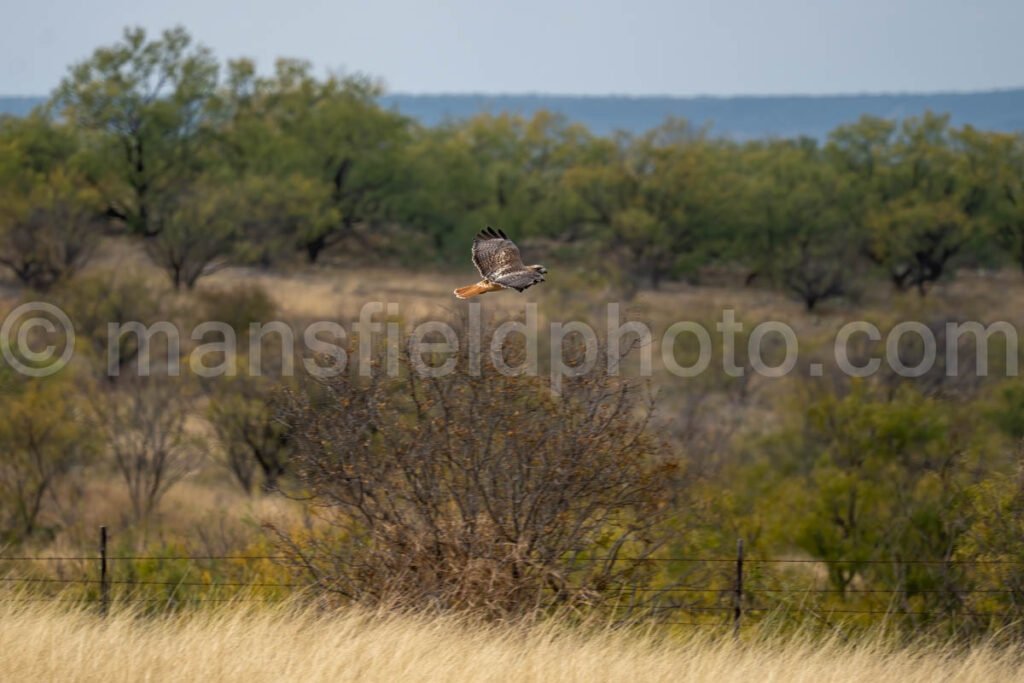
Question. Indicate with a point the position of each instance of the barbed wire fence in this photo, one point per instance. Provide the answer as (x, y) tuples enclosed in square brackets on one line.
[(736, 605)]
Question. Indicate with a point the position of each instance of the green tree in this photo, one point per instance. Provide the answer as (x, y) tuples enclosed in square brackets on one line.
[(198, 229), (331, 133), (677, 198), (996, 165), (919, 209), (43, 441), (280, 212), (49, 216), (993, 542), (648, 205), (593, 207), (875, 476), (798, 224), (146, 105), (490, 170)]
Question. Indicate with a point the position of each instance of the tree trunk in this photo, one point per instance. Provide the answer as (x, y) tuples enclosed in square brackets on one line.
[(314, 247)]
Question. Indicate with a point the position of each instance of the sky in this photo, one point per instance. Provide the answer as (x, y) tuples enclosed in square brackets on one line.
[(599, 47)]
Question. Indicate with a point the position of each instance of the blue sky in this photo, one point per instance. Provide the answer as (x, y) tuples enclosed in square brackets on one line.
[(634, 47)]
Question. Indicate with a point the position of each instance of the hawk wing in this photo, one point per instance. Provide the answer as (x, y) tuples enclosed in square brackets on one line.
[(497, 259)]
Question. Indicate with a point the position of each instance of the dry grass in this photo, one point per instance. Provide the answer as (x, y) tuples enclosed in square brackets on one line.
[(238, 644), (46, 642), (205, 502), (330, 292)]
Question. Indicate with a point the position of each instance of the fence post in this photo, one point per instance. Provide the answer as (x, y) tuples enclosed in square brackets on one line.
[(737, 613), (104, 584)]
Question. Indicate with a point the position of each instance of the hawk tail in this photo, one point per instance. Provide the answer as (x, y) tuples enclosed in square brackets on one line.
[(479, 288)]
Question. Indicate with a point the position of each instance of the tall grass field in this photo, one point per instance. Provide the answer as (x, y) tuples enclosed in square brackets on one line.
[(49, 642)]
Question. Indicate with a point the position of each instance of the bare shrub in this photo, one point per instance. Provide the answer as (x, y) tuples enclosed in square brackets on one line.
[(253, 439), (94, 301), (239, 305), (144, 426), (475, 491)]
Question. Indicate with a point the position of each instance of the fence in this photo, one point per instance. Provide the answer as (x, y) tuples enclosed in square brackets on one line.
[(735, 598)]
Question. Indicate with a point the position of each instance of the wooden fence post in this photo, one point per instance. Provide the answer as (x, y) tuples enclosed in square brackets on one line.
[(104, 583), (737, 614)]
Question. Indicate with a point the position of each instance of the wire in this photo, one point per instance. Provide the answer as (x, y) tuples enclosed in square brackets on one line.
[(157, 558), (758, 589), (877, 590), (243, 584), (182, 600), (750, 560), (709, 560)]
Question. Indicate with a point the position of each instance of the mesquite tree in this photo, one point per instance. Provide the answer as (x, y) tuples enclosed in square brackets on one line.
[(475, 491)]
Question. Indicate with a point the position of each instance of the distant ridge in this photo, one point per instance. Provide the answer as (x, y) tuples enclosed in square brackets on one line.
[(19, 106), (740, 117)]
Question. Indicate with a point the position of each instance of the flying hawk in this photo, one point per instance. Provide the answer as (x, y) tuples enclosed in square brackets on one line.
[(497, 259)]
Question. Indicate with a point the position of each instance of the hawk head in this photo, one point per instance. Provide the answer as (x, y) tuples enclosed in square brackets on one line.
[(540, 269)]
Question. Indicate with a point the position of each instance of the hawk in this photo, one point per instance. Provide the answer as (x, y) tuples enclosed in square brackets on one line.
[(497, 259)]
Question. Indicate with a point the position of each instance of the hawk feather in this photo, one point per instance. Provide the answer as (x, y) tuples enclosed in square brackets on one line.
[(497, 259)]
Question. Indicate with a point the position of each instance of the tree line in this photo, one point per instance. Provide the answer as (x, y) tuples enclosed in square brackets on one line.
[(210, 165)]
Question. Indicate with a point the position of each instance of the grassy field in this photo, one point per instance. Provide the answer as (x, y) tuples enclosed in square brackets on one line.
[(704, 413), (236, 644), (55, 643)]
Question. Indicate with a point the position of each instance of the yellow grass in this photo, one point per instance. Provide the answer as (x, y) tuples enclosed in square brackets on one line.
[(47, 643)]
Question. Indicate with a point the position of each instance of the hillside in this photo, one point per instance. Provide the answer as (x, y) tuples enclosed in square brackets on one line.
[(737, 117), (18, 106)]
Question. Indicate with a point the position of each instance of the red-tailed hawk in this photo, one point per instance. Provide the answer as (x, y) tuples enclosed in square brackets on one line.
[(497, 259)]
